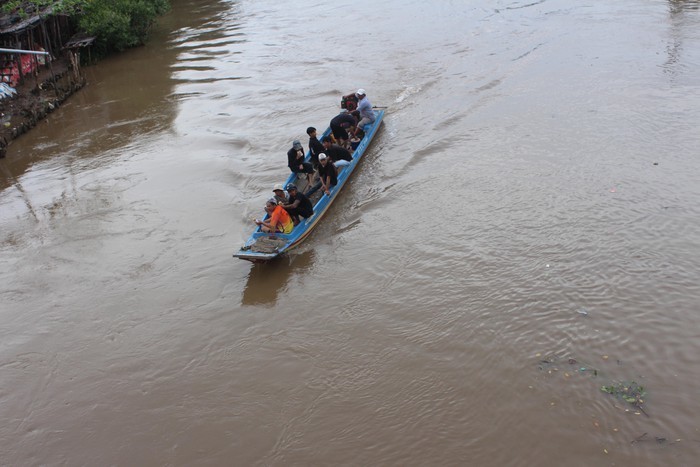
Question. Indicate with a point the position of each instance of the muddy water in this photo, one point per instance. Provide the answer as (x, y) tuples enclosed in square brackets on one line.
[(532, 198)]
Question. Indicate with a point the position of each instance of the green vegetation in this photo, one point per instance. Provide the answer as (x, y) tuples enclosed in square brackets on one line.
[(630, 392), (117, 24), (26, 8)]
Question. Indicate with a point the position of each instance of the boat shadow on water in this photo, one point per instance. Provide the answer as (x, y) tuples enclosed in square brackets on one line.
[(267, 280)]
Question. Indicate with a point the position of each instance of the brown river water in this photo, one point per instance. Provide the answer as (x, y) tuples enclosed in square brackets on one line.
[(524, 230)]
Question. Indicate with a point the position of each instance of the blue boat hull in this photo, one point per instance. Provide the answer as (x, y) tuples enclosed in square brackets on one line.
[(285, 242)]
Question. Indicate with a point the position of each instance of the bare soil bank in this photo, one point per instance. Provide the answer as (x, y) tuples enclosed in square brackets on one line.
[(36, 97)]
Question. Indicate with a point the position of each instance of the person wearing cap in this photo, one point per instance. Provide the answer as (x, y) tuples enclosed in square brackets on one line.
[(339, 155), (365, 109), (279, 221), (340, 124), (280, 194), (315, 146), (295, 157), (327, 174), (298, 204)]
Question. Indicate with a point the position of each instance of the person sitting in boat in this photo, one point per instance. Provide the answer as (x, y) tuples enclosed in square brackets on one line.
[(279, 221), (339, 155), (315, 146), (328, 176), (340, 124), (280, 195), (365, 109), (295, 157), (298, 204)]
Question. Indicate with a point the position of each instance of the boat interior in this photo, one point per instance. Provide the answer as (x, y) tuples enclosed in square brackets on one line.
[(260, 242)]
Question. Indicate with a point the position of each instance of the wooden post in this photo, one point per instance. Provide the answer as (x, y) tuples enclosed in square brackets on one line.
[(19, 61), (48, 58)]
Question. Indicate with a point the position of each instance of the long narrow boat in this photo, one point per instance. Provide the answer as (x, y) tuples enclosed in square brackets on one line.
[(261, 246)]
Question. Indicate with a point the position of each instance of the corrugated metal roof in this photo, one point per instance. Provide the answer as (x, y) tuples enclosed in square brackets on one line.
[(26, 23), (79, 40)]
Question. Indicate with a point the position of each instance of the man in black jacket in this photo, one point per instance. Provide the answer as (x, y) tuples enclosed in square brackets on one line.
[(339, 155), (340, 124), (298, 204), (315, 146), (295, 158), (327, 174)]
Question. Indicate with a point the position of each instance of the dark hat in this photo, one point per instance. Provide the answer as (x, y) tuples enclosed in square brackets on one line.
[(325, 139), (310, 130), (291, 186), (296, 144)]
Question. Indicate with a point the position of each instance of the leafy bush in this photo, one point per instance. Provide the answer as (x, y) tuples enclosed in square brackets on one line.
[(119, 24)]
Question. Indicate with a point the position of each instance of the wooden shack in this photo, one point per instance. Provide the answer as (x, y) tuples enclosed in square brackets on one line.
[(39, 67), (35, 30)]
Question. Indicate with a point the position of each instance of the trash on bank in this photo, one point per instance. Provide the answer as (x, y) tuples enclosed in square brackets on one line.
[(7, 91)]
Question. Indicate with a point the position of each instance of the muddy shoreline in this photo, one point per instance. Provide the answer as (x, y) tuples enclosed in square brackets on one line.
[(36, 98)]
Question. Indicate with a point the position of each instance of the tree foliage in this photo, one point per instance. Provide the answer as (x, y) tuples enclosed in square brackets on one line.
[(26, 8), (119, 24)]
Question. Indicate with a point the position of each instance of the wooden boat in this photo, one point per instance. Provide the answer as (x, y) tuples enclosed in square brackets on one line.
[(261, 246)]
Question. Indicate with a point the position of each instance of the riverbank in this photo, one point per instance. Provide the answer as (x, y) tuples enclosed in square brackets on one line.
[(36, 98)]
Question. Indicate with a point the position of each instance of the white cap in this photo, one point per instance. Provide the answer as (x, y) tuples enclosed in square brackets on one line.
[(360, 92), (322, 156), (277, 187)]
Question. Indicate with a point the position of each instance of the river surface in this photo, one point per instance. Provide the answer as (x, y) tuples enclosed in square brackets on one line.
[(524, 229)]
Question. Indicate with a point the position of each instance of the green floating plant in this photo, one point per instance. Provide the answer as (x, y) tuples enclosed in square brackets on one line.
[(630, 392)]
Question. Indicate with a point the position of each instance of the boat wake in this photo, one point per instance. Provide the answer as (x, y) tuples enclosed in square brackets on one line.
[(407, 92)]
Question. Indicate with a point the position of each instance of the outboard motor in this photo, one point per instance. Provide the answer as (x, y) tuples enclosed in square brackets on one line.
[(349, 102)]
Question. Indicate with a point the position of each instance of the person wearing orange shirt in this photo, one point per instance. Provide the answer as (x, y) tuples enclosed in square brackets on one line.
[(279, 220)]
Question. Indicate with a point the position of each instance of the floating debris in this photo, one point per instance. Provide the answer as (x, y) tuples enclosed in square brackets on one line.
[(551, 364), (658, 439), (631, 392)]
